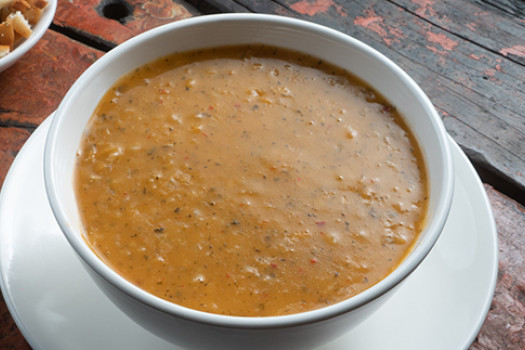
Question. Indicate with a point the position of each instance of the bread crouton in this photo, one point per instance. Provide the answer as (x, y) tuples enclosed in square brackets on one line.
[(7, 35), (5, 9), (5, 3), (39, 4), (19, 5), (20, 24), (16, 19), (33, 15)]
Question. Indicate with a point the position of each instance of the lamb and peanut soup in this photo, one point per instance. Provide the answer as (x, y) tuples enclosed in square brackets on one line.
[(249, 181)]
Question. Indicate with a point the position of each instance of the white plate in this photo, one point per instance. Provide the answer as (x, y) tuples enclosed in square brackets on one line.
[(56, 305)]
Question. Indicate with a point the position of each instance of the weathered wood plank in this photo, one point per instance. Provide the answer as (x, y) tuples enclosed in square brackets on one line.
[(515, 8), (33, 87), (489, 75), (504, 327), (481, 22), (109, 23), (217, 6), (11, 140), (467, 57)]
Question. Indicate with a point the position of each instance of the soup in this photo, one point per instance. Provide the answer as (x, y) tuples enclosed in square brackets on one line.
[(249, 181)]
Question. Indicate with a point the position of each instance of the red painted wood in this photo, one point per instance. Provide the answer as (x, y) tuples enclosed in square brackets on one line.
[(11, 140), (86, 18), (33, 87)]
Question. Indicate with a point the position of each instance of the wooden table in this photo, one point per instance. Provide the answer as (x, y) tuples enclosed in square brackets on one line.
[(467, 55)]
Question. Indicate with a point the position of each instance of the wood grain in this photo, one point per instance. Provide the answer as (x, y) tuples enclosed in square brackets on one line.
[(34, 86), (85, 20), (504, 327), (11, 140)]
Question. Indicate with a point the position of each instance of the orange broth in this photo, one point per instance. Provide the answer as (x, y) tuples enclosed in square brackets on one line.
[(249, 181)]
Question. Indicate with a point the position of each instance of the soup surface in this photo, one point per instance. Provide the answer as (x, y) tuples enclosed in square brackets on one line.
[(249, 181)]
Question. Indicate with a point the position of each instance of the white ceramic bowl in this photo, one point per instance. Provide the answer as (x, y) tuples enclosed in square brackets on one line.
[(200, 330), (26, 44)]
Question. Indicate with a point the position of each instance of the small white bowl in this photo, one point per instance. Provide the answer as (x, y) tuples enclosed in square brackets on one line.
[(38, 31), (200, 330)]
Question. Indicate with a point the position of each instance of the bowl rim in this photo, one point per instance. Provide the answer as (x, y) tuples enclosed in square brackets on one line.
[(39, 29), (410, 263)]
